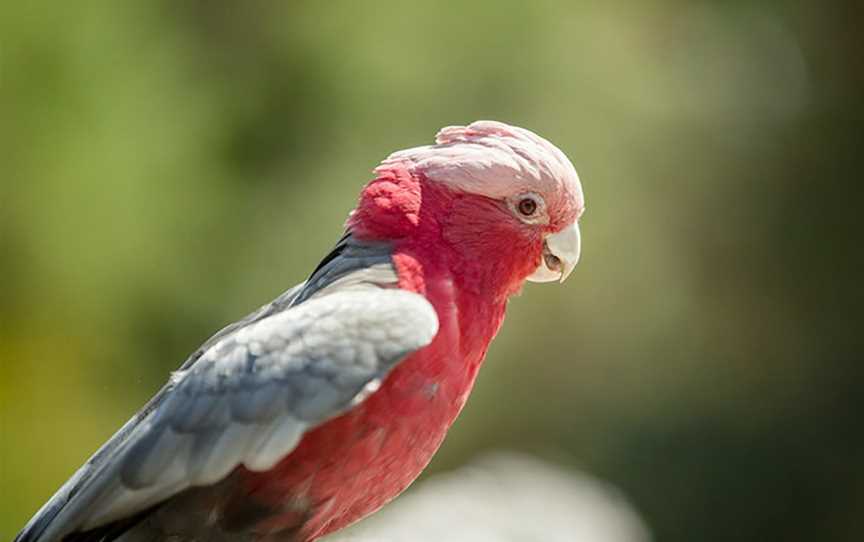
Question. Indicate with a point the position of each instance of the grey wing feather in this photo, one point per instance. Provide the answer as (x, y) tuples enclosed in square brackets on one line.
[(45, 525), (248, 395)]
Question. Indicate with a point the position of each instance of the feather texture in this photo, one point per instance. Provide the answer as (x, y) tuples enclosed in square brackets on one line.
[(251, 392)]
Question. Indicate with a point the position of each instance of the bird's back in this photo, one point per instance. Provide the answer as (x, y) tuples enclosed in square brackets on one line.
[(344, 469), (179, 469)]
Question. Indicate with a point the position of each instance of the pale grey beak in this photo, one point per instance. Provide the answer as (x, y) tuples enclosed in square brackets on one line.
[(560, 255)]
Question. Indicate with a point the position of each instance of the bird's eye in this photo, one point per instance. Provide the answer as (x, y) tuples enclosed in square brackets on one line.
[(527, 206)]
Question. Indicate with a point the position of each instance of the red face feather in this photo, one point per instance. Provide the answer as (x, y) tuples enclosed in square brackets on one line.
[(437, 229)]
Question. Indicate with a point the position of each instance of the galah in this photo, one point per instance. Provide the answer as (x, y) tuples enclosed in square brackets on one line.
[(323, 405)]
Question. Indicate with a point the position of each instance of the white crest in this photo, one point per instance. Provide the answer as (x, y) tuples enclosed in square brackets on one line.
[(493, 159)]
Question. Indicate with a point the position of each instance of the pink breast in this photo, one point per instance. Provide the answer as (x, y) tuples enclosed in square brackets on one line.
[(352, 465)]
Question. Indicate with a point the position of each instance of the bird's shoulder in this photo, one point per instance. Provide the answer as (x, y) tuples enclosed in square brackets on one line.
[(246, 396)]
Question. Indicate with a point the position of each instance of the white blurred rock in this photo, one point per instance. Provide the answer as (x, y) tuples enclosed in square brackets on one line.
[(505, 497)]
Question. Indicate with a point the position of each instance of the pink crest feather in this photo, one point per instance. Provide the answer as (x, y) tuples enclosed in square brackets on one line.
[(496, 160)]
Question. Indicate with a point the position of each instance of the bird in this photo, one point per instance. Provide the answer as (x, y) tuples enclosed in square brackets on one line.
[(323, 405)]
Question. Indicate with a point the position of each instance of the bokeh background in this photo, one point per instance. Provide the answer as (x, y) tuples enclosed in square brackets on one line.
[(168, 166)]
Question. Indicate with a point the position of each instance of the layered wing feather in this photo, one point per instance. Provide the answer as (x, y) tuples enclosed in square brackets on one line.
[(250, 393)]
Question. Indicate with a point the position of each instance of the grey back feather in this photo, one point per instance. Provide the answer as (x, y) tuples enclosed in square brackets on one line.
[(250, 392)]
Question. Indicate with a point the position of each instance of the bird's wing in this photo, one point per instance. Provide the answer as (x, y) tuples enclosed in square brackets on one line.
[(248, 396)]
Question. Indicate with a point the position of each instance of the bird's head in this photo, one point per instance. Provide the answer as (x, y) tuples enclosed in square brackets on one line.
[(498, 195)]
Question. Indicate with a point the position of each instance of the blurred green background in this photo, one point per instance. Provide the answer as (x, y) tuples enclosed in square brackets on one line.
[(168, 166)]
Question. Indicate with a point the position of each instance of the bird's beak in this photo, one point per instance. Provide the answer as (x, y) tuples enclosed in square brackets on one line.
[(560, 255)]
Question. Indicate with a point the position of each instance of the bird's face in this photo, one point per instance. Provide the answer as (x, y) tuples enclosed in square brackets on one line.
[(513, 192), (549, 218)]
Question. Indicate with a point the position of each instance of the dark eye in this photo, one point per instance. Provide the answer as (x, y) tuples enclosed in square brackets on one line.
[(527, 206)]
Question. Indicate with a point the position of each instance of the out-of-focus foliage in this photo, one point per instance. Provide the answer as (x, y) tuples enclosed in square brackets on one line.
[(168, 166)]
